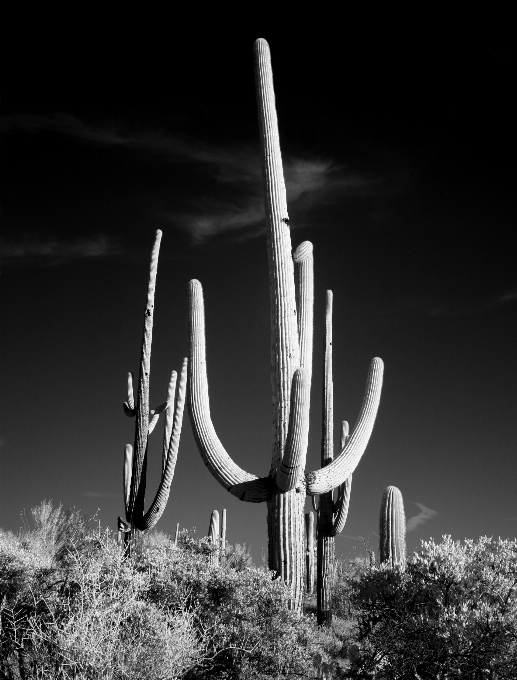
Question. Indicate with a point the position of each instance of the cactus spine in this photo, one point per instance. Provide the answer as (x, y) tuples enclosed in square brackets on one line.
[(135, 461), (285, 487), (392, 543)]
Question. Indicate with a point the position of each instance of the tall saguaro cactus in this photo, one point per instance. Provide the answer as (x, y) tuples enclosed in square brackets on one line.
[(392, 536), (286, 485), (135, 461)]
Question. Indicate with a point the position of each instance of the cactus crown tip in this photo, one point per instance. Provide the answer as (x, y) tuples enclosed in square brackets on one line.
[(304, 250)]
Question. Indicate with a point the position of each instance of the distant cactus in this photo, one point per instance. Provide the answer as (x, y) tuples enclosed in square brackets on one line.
[(291, 295), (135, 462), (392, 542), (213, 535), (223, 531)]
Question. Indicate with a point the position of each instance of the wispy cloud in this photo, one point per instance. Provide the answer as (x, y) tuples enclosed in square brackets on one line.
[(309, 181), (474, 306), (50, 250), (423, 516)]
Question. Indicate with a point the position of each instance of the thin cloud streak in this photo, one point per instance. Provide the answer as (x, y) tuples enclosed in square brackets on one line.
[(423, 516), (51, 251), (309, 181)]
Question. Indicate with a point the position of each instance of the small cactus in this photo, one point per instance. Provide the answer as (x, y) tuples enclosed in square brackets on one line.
[(135, 460), (213, 535), (392, 544), (223, 531)]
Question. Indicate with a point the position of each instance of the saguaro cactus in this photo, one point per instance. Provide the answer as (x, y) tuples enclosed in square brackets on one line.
[(332, 513), (285, 486), (213, 535), (135, 463), (392, 541)]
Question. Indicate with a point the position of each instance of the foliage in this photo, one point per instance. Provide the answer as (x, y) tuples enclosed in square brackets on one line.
[(73, 605), (451, 614)]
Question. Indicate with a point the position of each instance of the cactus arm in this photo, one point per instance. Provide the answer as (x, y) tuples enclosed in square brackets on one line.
[(315, 502), (126, 477), (136, 500), (233, 478), (327, 478), (303, 259), (290, 470), (342, 505), (392, 534), (129, 405), (285, 352), (169, 418), (157, 507)]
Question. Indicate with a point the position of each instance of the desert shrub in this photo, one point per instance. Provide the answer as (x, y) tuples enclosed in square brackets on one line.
[(452, 613), (240, 615), (74, 606), (79, 610)]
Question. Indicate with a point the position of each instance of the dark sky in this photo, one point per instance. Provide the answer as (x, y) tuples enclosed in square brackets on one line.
[(399, 159)]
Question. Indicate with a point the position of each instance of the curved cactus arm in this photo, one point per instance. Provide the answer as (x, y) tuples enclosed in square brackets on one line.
[(290, 470), (233, 478), (344, 490), (153, 421), (154, 513), (126, 477), (169, 417), (154, 415), (327, 478), (136, 500), (342, 504), (345, 433), (129, 405)]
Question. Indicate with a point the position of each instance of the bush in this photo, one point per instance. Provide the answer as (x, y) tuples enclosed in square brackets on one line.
[(451, 614), (74, 606)]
